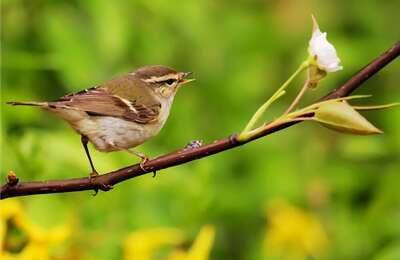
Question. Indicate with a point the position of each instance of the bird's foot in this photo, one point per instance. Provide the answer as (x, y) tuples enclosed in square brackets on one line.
[(143, 161), (106, 187), (142, 156), (93, 174), (95, 192)]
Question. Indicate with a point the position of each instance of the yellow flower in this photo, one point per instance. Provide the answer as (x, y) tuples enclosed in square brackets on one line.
[(33, 242), (143, 244), (293, 233), (201, 248)]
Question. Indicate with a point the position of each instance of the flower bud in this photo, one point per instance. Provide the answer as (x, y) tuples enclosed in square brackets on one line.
[(340, 116)]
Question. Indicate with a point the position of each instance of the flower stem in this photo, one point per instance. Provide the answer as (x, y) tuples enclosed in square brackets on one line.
[(280, 92), (299, 95)]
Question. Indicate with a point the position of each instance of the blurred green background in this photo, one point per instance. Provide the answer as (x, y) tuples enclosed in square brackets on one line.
[(240, 52)]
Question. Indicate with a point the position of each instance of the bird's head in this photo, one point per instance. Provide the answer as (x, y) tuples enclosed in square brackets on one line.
[(164, 81)]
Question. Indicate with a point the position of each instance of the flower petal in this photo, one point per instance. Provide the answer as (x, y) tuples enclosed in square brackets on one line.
[(323, 51)]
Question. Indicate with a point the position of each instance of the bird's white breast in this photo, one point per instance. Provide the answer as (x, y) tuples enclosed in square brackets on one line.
[(112, 133)]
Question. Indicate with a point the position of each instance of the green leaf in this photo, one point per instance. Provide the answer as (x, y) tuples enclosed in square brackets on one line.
[(341, 117), (376, 107)]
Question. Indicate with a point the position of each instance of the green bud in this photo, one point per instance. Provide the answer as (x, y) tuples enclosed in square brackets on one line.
[(315, 75), (340, 116)]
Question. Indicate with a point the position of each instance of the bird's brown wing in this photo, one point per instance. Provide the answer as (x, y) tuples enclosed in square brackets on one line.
[(99, 102)]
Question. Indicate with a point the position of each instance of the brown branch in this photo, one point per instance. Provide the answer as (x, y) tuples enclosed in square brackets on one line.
[(105, 182)]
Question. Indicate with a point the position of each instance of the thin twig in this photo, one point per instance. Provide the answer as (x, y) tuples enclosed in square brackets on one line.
[(106, 181)]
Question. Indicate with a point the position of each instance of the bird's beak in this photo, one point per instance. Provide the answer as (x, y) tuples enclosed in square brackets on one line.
[(184, 81)]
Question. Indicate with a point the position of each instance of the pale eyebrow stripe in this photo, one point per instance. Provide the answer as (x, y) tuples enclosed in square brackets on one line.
[(161, 79)]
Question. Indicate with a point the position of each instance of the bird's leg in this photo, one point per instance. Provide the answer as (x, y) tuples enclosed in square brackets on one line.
[(85, 141), (142, 156)]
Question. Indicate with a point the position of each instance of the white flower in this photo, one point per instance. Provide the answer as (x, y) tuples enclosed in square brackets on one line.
[(322, 51)]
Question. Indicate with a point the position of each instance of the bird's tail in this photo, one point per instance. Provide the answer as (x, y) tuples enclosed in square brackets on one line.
[(28, 103)]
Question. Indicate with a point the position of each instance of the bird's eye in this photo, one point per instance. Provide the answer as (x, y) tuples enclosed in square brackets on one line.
[(170, 81)]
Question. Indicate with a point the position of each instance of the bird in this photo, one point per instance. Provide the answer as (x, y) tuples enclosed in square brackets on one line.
[(121, 113)]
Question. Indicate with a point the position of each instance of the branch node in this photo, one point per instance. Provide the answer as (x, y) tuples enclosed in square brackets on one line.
[(12, 179), (193, 144), (233, 139)]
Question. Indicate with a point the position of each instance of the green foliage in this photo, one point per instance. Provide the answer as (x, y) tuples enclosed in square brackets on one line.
[(240, 52)]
